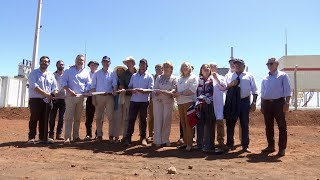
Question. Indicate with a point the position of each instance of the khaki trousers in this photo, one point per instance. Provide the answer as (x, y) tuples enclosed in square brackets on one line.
[(104, 108), (74, 107), (220, 131), (187, 130)]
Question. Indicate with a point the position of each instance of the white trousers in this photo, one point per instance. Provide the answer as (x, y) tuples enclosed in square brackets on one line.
[(162, 121)]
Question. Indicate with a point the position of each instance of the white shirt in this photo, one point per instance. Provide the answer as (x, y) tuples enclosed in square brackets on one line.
[(218, 101), (184, 83), (247, 84)]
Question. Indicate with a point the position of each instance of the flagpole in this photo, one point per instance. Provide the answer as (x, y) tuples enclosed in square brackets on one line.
[(36, 36)]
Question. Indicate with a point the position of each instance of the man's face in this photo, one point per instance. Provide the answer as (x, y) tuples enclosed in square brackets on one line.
[(272, 64), (60, 66), (239, 67), (80, 61), (142, 67), (159, 70), (93, 67), (105, 64), (44, 63)]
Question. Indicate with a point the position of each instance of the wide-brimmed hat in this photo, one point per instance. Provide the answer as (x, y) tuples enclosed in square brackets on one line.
[(129, 58), (120, 67), (94, 62)]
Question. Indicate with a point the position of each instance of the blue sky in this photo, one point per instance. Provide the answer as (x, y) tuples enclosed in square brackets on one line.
[(176, 30)]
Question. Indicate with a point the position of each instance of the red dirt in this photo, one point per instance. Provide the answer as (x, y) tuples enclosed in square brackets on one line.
[(90, 160)]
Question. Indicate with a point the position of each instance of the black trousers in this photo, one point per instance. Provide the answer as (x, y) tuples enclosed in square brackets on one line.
[(244, 122), (39, 111), (134, 109), (60, 105), (273, 109), (90, 109)]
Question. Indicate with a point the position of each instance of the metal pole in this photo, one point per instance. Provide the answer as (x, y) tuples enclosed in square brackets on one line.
[(295, 89), (317, 99), (36, 36)]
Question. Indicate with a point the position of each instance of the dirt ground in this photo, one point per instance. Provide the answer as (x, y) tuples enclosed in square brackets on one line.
[(91, 160)]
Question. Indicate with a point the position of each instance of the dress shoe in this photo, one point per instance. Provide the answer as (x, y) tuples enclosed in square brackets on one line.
[(76, 139), (247, 150), (282, 152), (182, 146), (99, 139), (188, 148), (127, 142), (87, 138), (51, 136), (268, 150)]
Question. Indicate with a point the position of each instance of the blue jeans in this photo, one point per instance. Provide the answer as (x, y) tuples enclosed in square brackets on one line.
[(205, 127)]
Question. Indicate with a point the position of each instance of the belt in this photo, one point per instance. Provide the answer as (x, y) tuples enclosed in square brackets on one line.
[(274, 100), (244, 98)]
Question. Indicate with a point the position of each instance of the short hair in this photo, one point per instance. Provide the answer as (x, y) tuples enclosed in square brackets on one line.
[(158, 65), (43, 57), (60, 61), (169, 64), (190, 67), (79, 56)]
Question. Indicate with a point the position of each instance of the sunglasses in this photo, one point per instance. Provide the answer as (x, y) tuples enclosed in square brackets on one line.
[(269, 64)]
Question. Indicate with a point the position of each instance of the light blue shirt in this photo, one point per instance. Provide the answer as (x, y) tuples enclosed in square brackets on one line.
[(78, 81), (144, 81), (45, 81), (275, 86), (104, 81), (247, 84)]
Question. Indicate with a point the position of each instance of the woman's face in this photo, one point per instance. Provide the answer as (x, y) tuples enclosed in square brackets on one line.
[(119, 72), (167, 70), (185, 69), (205, 70)]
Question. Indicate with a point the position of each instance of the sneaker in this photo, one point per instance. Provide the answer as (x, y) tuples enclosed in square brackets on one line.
[(59, 137), (67, 141), (99, 139), (76, 139), (87, 138), (144, 142), (31, 141)]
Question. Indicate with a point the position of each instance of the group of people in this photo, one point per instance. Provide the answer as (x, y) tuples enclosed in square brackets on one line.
[(125, 94)]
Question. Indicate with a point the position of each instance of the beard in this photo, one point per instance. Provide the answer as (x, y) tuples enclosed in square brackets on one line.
[(60, 68)]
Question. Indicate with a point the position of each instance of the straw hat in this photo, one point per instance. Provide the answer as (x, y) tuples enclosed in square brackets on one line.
[(129, 58)]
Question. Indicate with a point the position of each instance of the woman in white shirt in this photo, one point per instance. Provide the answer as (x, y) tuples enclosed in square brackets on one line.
[(186, 96)]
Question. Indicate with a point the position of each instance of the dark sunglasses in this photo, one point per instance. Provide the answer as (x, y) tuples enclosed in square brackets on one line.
[(269, 64)]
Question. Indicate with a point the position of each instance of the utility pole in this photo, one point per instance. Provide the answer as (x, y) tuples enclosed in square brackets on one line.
[(36, 36)]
